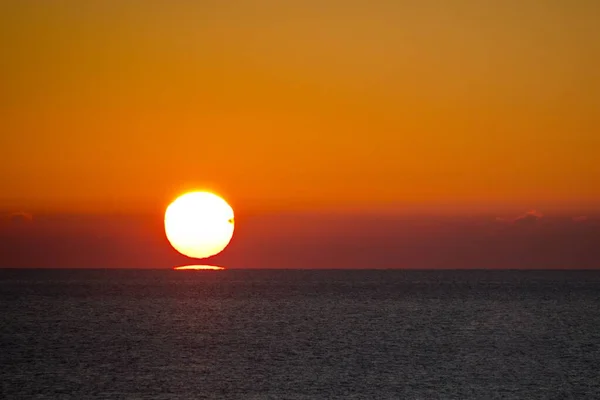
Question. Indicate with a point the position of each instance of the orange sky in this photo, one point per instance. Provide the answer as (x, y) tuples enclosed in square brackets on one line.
[(121, 105)]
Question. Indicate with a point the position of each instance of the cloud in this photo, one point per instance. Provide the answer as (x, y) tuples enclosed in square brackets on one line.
[(18, 218), (528, 218), (581, 218), (310, 241)]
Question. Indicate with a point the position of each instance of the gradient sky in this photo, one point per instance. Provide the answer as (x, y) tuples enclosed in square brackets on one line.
[(121, 105), (430, 126)]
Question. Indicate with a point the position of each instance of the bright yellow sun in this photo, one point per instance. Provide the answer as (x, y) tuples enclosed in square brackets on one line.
[(199, 224)]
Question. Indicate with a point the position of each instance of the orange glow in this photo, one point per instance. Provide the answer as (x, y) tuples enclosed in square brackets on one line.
[(199, 268), (300, 104)]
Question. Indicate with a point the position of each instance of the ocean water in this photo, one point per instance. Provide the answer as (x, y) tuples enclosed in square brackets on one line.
[(235, 334)]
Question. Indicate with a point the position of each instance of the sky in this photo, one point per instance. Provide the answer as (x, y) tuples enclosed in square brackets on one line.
[(111, 109)]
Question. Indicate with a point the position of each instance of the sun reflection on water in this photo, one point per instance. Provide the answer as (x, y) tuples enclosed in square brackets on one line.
[(199, 268)]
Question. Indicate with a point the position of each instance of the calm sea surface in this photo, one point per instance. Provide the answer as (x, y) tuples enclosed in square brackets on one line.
[(149, 334)]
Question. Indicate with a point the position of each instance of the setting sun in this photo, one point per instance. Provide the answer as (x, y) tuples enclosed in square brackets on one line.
[(199, 224)]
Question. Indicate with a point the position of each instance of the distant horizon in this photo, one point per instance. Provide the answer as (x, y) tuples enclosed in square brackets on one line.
[(397, 269)]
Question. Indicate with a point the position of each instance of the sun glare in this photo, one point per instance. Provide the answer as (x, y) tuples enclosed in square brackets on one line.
[(199, 224), (199, 268)]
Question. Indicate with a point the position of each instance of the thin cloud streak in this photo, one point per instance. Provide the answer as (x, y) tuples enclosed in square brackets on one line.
[(311, 241)]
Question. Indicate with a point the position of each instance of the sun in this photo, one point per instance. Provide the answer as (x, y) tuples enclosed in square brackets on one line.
[(199, 224)]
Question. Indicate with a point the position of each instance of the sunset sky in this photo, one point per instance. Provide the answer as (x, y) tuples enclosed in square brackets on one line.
[(430, 106)]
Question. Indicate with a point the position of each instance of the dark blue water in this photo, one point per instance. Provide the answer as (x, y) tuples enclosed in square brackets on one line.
[(126, 334)]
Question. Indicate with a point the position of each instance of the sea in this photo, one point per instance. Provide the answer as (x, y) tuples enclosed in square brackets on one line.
[(299, 334)]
